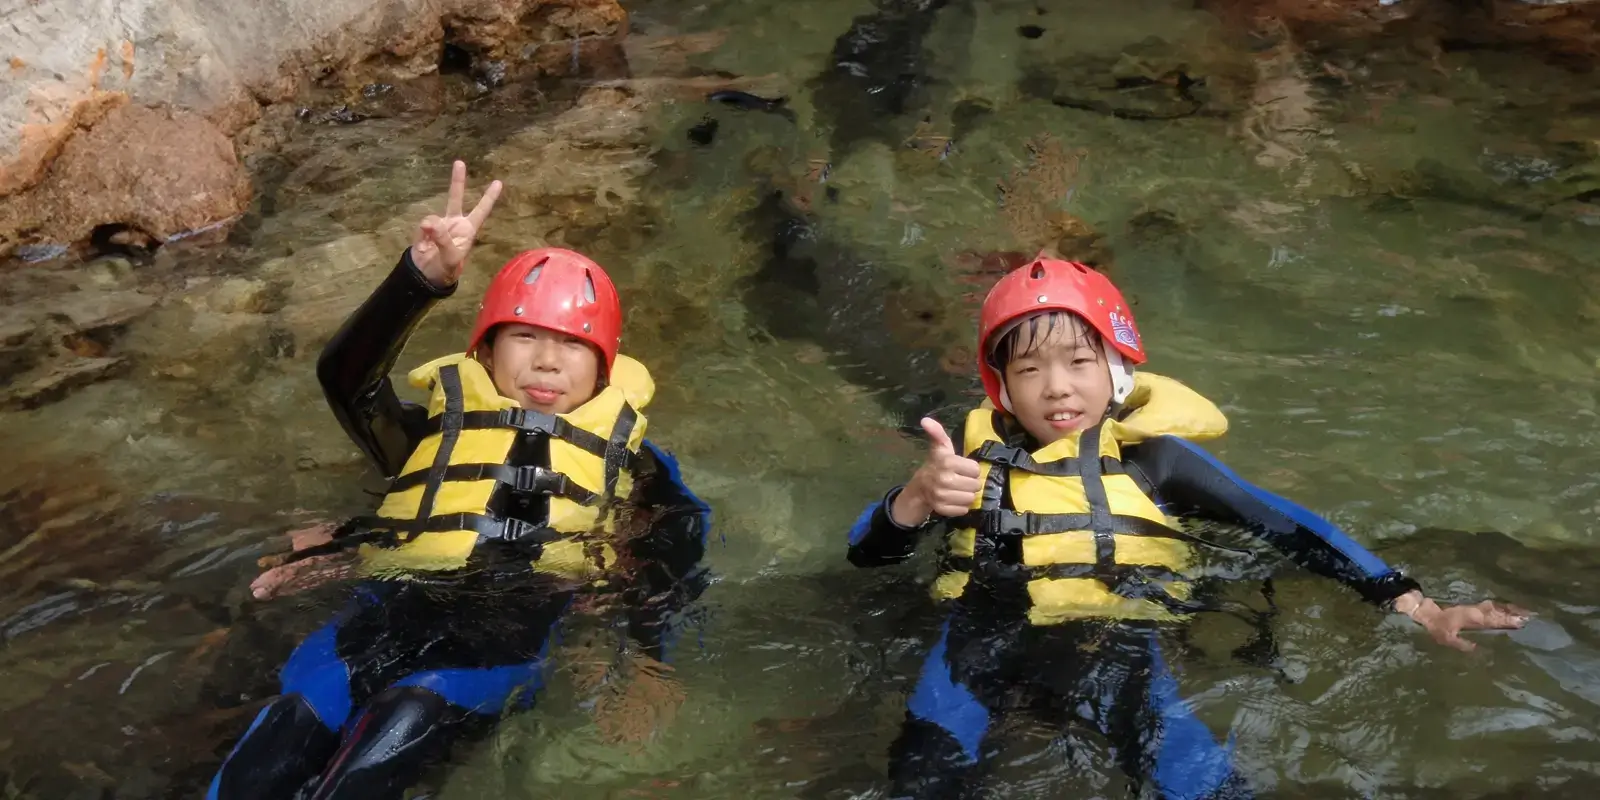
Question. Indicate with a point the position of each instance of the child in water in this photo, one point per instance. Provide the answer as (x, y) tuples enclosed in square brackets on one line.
[(1061, 559), (524, 482)]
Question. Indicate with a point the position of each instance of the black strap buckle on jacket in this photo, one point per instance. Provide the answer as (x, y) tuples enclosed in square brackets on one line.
[(539, 479), (556, 484), (1000, 454), (1013, 457), (551, 425), (517, 531), (994, 524), (522, 419)]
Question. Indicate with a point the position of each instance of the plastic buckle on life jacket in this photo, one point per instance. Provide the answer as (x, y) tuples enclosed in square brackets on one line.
[(1003, 523), (541, 480), (516, 530), (1004, 455), (524, 420)]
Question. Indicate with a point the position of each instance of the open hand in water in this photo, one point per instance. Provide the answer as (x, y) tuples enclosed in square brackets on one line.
[(440, 246), (1445, 623), (284, 579)]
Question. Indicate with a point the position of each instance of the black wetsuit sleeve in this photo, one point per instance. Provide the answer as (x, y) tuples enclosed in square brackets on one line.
[(876, 540), (355, 364), (667, 569), (1188, 481)]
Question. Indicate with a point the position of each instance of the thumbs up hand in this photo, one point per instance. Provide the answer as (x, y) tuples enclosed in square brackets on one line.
[(946, 484)]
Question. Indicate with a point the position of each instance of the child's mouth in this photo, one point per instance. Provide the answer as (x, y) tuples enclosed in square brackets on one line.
[(1063, 420), (542, 396)]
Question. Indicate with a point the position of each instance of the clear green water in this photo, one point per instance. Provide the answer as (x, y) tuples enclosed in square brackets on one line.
[(1399, 317)]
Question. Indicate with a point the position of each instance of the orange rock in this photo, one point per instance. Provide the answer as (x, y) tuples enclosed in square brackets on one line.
[(157, 172)]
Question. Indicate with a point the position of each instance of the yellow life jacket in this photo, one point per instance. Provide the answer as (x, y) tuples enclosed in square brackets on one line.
[(447, 498), (1093, 544)]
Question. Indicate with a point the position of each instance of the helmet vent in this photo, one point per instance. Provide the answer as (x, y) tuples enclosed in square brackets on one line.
[(533, 274), (588, 286), (1038, 271)]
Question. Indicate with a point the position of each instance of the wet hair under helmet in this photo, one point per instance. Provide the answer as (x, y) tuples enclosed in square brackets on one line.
[(1048, 284), (557, 289)]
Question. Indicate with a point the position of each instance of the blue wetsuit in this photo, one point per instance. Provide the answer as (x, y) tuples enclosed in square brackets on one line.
[(989, 659), (406, 668)]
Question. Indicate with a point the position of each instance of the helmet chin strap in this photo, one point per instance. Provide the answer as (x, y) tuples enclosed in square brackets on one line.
[(1121, 372), (1121, 376)]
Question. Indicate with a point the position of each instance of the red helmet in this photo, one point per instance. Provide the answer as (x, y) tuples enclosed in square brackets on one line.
[(1048, 284), (556, 289)]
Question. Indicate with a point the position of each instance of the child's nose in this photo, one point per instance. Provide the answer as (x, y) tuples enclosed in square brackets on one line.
[(1057, 385), (544, 355)]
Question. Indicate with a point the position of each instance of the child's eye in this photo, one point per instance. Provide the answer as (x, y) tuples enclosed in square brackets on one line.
[(1082, 360)]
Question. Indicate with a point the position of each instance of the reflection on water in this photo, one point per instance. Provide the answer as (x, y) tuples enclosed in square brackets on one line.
[(1380, 263)]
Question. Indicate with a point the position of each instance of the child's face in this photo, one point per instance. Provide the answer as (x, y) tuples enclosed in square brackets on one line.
[(542, 369), (1058, 380)]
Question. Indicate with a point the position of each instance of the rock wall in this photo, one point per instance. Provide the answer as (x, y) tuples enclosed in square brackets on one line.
[(153, 91), (1567, 30)]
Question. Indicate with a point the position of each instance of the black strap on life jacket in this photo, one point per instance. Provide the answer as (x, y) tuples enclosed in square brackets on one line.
[(450, 427), (521, 479), (617, 456), (385, 532), (1006, 455), (520, 419), (509, 530)]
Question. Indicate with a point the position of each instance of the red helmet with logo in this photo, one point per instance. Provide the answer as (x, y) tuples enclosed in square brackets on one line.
[(1048, 284), (556, 289)]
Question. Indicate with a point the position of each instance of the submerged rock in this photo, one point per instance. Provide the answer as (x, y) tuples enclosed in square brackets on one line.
[(54, 381)]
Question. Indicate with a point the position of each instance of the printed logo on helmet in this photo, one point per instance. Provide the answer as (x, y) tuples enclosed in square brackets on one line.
[(1122, 331)]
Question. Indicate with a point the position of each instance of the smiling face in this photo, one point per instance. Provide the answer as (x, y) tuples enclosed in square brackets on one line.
[(1056, 375), (542, 369)]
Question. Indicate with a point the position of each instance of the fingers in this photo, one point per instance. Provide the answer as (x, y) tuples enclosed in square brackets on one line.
[(428, 231), (942, 453), (948, 482), (1494, 616), (453, 253), (265, 586), (458, 188), (935, 431), (301, 575), (952, 491), (311, 537), (480, 212), (950, 506), (1452, 639), (1509, 608), (962, 467)]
